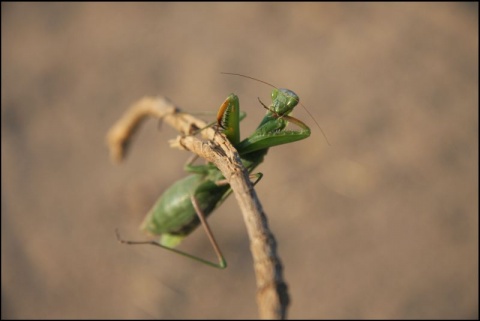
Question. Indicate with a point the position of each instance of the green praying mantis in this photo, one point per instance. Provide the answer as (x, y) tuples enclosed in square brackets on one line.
[(188, 202)]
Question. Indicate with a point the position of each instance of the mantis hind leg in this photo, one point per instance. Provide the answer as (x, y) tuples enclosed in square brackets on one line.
[(222, 263)]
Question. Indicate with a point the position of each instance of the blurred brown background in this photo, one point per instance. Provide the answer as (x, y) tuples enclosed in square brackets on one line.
[(382, 224)]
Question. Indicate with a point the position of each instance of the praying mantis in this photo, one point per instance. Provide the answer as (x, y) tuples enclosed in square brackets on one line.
[(188, 202)]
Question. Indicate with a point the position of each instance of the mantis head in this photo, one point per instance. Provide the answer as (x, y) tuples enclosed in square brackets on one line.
[(283, 101)]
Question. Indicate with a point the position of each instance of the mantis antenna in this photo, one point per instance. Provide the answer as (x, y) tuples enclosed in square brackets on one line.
[(268, 84)]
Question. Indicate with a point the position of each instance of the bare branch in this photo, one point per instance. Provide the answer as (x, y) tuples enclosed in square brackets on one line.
[(272, 294)]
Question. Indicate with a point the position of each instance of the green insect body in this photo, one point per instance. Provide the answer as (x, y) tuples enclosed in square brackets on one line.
[(174, 217)]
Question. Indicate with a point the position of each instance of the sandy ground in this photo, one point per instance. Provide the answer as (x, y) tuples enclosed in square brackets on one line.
[(382, 224)]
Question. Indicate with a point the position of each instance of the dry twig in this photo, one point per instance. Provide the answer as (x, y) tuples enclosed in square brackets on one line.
[(272, 295)]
